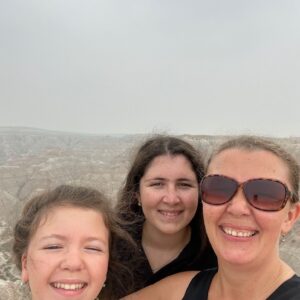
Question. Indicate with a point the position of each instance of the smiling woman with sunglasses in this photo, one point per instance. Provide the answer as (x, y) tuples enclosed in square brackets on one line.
[(250, 199), (262, 193)]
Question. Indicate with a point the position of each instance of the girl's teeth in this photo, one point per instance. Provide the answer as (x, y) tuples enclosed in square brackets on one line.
[(68, 286)]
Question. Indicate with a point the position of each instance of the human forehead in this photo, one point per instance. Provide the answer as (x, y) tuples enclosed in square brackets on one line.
[(167, 159), (62, 218), (243, 164)]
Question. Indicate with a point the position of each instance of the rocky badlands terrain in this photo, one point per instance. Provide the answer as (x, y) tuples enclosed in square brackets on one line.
[(32, 160)]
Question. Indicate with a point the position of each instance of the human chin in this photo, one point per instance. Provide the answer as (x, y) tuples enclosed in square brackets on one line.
[(62, 289), (170, 228)]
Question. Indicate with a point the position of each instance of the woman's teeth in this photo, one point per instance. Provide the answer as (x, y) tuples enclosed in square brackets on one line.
[(238, 233)]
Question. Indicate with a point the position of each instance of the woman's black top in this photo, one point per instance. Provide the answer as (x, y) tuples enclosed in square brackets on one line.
[(188, 260), (199, 287)]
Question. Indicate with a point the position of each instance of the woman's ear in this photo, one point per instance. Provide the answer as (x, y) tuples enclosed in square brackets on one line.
[(24, 272), (292, 216), (138, 198)]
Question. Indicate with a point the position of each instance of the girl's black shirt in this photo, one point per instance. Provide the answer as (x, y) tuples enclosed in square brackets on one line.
[(188, 260)]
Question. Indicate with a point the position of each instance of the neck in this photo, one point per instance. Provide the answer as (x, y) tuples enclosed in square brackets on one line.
[(162, 248), (157, 239), (232, 282)]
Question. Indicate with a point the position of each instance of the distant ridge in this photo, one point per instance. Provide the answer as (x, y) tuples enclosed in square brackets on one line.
[(33, 159), (20, 129), (34, 130)]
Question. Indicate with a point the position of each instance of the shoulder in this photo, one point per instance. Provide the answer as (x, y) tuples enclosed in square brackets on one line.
[(290, 289), (174, 286), (200, 285)]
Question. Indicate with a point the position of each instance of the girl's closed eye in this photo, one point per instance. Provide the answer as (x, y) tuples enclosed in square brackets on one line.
[(53, 247), (94, 249)]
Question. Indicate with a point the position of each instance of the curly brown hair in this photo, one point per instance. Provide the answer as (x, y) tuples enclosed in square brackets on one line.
[(83, 197)]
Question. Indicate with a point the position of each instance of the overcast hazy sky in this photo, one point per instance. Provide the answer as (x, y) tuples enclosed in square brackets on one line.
[(140, 66)]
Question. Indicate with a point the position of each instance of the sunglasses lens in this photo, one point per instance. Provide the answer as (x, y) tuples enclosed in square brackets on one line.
[(217, 189), (265, 194)]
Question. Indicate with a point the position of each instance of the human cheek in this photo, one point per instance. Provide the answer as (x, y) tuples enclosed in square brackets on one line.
[(210, 215), (190, 198), (195, 199), (150, 198), (100, 268), (37, 275), (44, 263), (36, 262)]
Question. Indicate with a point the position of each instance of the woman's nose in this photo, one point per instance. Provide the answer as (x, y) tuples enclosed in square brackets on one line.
[(238, 205), (171, 195)]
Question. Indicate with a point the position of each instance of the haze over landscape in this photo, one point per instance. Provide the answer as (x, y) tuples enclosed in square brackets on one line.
[(82, 84), (126, 67), (34, 159)]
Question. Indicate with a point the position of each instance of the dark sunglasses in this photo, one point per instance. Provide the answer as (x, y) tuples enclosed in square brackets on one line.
[(263, 194)]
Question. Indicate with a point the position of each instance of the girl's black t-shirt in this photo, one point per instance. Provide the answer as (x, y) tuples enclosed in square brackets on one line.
[(188, 260)]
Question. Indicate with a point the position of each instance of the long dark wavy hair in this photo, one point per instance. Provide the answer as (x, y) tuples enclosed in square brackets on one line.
[(127, 206)]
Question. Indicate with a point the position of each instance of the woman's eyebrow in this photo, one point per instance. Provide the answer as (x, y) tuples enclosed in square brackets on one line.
[(155, 178)]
